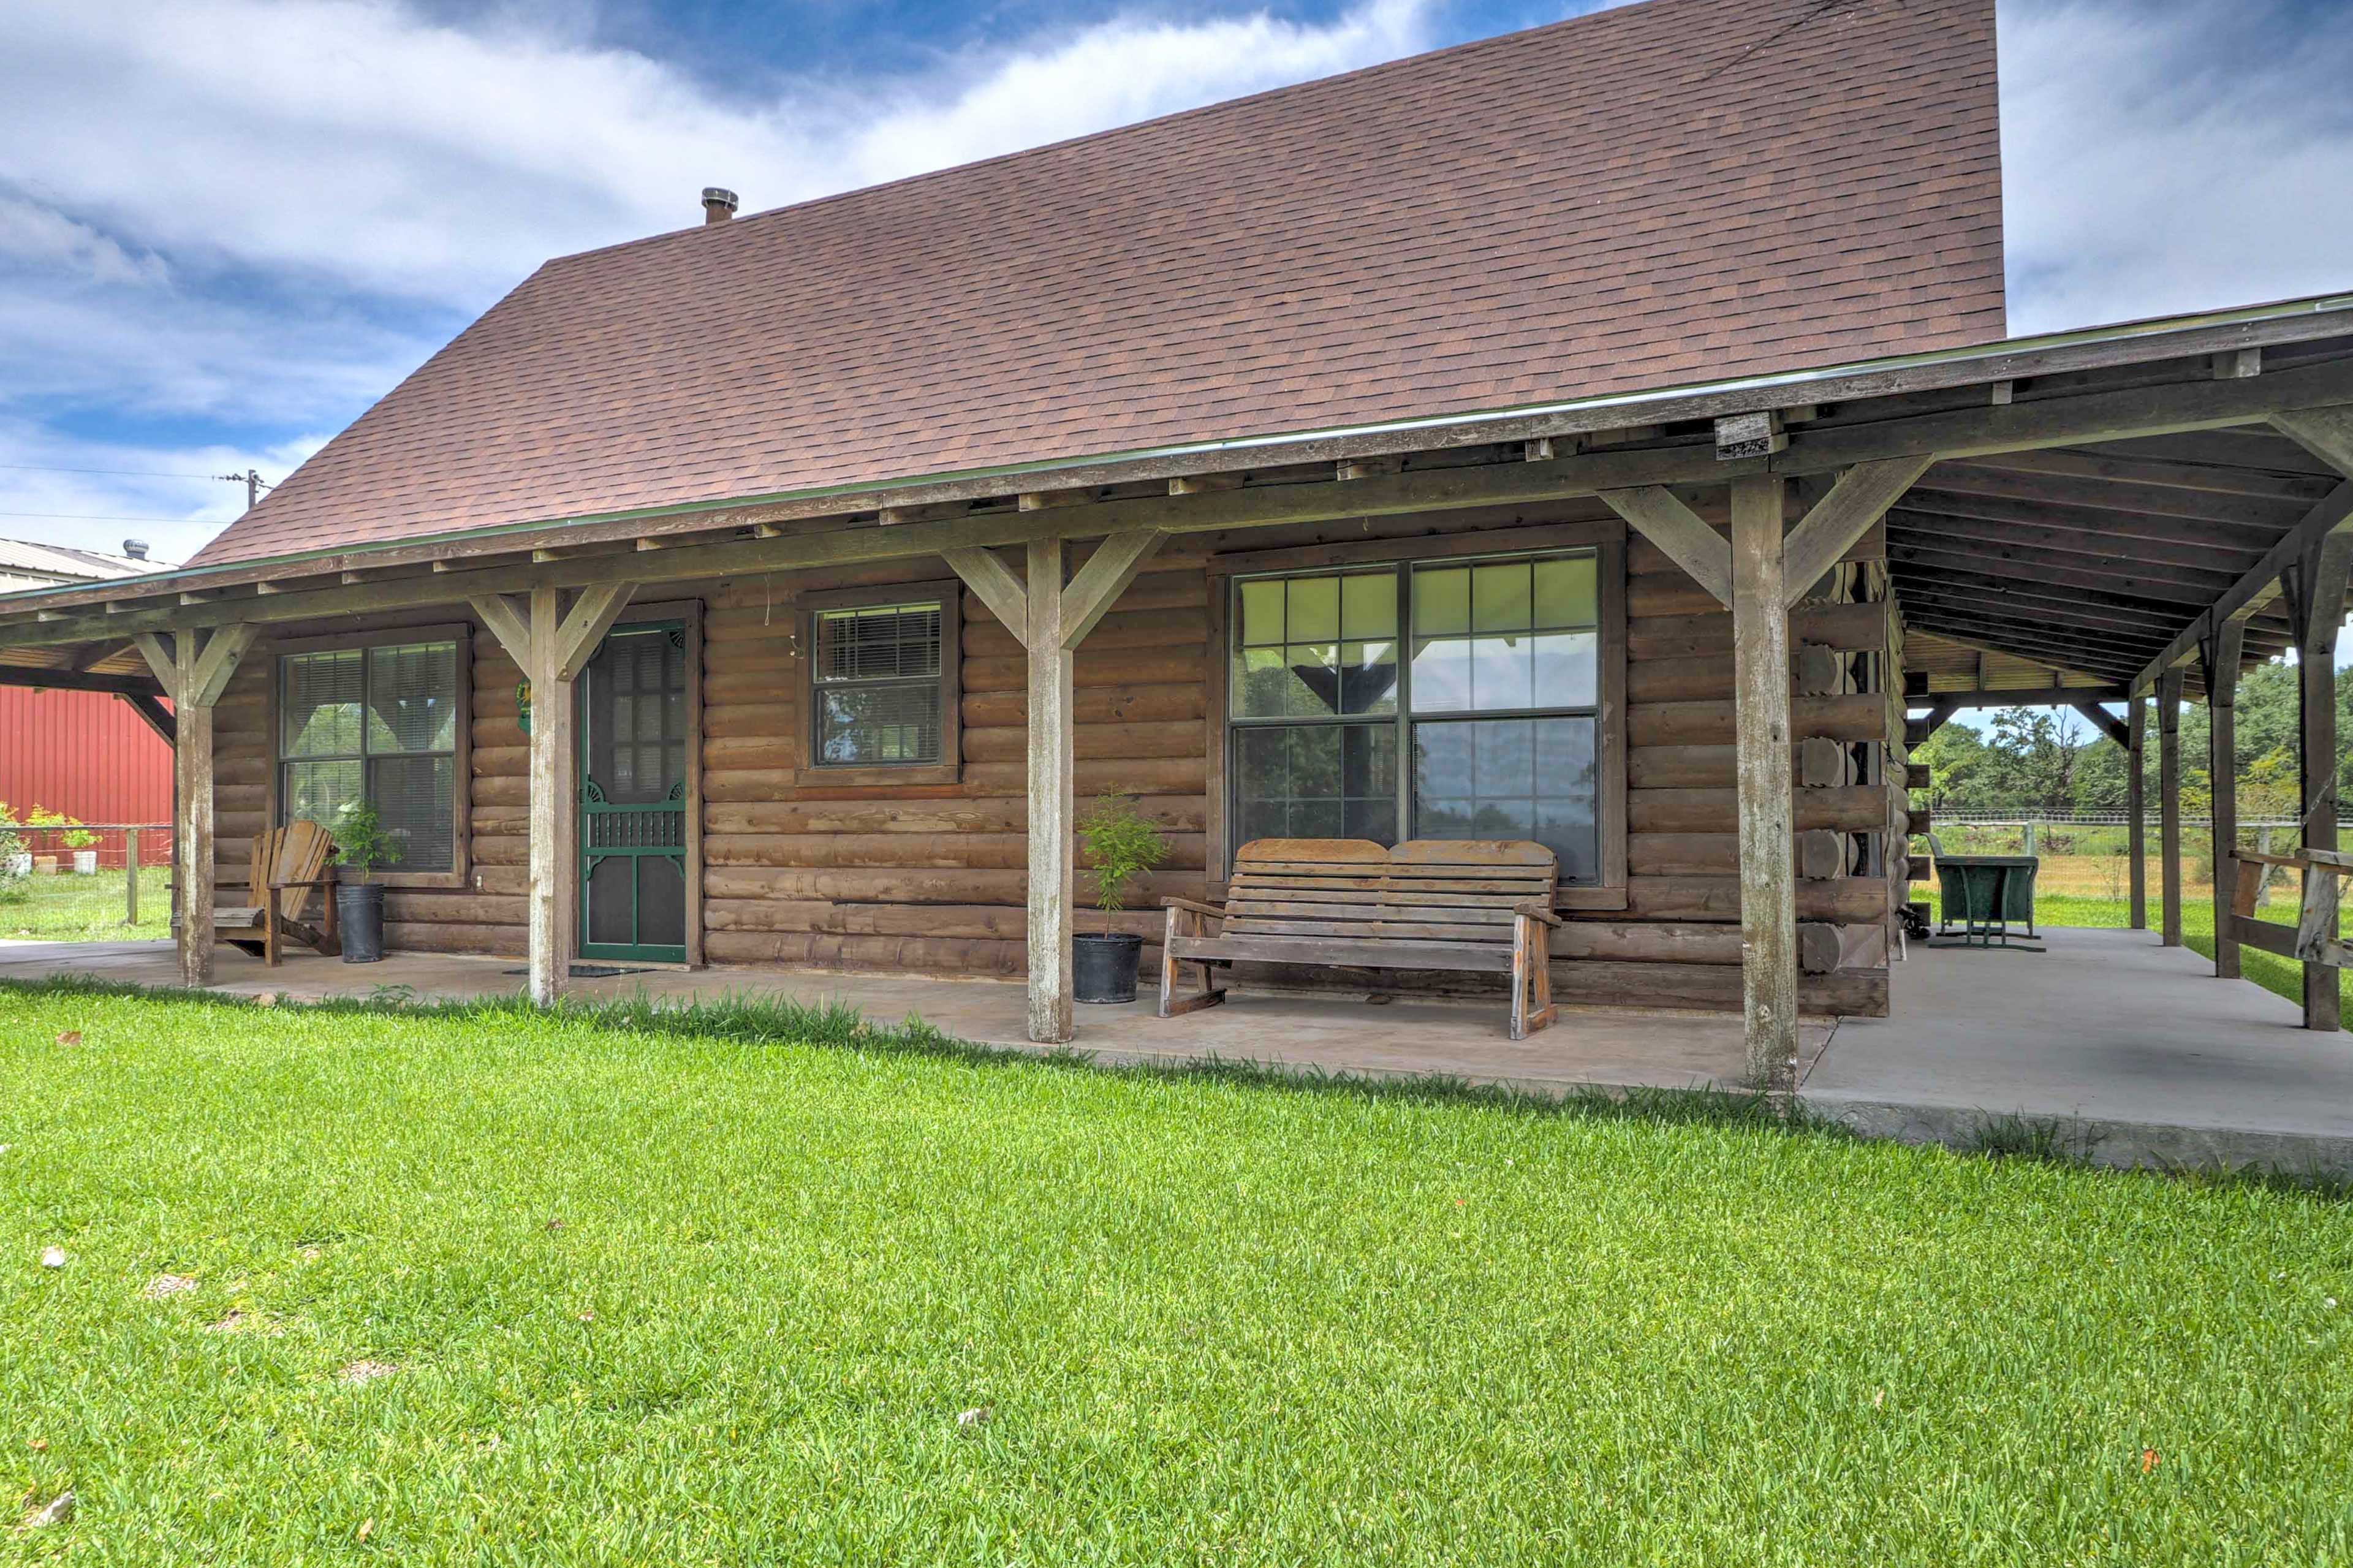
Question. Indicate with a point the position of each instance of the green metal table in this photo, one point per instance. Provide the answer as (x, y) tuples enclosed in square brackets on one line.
[(1986, 893)]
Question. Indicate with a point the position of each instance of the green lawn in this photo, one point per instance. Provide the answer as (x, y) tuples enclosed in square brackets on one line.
[(87, 909), (691, 1292)]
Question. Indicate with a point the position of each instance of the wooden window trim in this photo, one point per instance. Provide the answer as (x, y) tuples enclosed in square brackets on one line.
[(1607, 538), (462, 786), (949, 769)]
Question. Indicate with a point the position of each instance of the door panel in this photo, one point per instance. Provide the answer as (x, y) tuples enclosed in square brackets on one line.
[(633, 754)]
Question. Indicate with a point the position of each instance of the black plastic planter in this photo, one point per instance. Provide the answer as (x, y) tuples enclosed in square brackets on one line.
[(1102, 968), (359, 920)]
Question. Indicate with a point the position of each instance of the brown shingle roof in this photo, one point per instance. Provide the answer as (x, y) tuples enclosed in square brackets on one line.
[(1677, 191)]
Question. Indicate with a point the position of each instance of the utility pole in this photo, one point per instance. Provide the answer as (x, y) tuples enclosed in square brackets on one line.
[(253, 482)]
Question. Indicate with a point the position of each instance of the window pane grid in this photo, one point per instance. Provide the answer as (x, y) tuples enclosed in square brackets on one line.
[(1499, 731), (378, 725)]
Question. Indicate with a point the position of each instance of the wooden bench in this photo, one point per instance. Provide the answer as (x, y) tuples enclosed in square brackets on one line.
[(1480, 905), (287, 866)]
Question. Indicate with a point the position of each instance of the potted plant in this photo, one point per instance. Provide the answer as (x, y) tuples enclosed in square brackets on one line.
[(1121, 845), (360, 846), (84, 844)]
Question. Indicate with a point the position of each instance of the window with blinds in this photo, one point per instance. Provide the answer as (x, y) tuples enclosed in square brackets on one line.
[(379, 725), (878, 691)]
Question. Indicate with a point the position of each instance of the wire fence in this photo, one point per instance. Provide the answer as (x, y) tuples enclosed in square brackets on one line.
[(87, 881)]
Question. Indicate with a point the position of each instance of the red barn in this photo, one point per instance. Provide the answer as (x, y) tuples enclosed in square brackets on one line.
[(86, 753)]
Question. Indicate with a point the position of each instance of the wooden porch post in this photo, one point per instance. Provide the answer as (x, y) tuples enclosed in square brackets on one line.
[(192, 840), (2168, 804), (1051, 618), (193, 669), (554, 791), (1052, 762), (2137, 810), (2222, 655), (1761, 574), (1768, 909), (553, 646), (2317, 601)]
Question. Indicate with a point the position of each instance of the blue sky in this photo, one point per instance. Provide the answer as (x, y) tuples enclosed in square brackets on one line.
[(228, 225)]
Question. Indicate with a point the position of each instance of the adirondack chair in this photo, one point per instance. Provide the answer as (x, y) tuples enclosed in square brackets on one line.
[(288, 865)]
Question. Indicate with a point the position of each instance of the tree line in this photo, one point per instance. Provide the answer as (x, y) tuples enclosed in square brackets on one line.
[(2053, 761)]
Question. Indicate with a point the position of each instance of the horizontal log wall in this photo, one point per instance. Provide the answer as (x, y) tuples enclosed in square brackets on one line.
[(803, 871)]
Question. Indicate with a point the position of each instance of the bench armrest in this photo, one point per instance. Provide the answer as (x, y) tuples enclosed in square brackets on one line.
[(1534, 911), (1196, 906)]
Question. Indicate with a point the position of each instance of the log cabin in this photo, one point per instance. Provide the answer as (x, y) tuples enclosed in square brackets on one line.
[(1603, 435)]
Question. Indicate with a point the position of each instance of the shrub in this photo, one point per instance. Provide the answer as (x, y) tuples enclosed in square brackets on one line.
[(361, 841), (1121, 845)]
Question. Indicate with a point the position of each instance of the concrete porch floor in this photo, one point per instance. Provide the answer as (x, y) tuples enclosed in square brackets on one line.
[(2134, 1052)]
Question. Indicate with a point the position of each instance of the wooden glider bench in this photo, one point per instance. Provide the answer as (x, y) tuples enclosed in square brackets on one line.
[(1483, 905), (287, 866)]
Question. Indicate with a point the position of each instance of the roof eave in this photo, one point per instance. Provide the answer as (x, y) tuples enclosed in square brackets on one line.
[(2123, 343)]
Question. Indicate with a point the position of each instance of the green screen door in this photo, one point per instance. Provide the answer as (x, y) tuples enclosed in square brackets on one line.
[(633, 736)]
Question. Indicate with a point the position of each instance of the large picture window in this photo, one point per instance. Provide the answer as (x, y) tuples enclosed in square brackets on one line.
[(1459, 698), (375, 724)]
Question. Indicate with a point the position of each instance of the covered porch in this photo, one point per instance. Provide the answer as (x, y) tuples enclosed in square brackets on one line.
[(2136, 510), (2110, 1044)]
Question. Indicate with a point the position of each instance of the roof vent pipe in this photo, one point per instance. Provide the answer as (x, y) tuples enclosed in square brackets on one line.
[(134, 549), (718, 204)]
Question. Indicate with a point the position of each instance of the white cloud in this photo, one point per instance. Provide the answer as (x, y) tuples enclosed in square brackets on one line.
[(36, 237), (268, 211), (356, 142), (2161, 158)]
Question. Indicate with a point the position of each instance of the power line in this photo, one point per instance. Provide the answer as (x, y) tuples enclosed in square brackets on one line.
[(125, 473), (105, 517)]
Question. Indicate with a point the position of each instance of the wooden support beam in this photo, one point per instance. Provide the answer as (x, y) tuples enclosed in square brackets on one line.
[(2327, 433), (2137, 810), (1917, 731), (583, 627), (996, 586), (2260, 585), (1657, 514), (1831, 526), (216, 662), (1052, 812), (2316, 602), (42, 679), (552, 910), (1757, 434), (1050, 619), (2105, 723), (163, 661), (154, 715), (510, 621), (2168, 806), (2223, 655), (2028, 697), (1098, 585), (191, 815), (1769, 915)]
